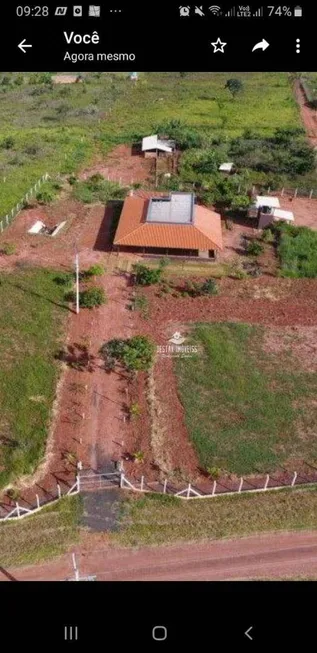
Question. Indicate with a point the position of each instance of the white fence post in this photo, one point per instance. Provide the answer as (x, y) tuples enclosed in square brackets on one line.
[(18, 509), (311, 194), (7, 219), (142, 483), (188, 490), (294, 479), (1, 226), (240, 486), (78, 482), (37, 500), (296, 191), (266, 481), (121, 480), (214, 488), (165, 486), (59, 490)]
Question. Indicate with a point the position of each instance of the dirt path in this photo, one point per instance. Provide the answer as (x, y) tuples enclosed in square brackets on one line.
[(266, 556), (309, 116)]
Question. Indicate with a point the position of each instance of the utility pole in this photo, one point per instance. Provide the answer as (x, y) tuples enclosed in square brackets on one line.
[(77, 277), (76, 572)]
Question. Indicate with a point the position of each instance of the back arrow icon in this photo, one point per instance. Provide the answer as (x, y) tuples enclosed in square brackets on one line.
[(247, 633), (23, 45), (262, 45)]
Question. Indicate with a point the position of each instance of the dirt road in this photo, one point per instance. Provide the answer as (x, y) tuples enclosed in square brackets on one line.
[(309, 116), (277, 556)]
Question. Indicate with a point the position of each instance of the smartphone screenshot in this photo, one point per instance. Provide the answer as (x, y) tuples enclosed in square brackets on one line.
[(158, 325)]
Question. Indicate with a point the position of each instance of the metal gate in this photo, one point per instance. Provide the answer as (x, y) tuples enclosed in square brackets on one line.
[(94, 481)]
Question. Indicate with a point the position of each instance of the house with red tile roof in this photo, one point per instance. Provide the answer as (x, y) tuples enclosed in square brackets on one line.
[(168, 225)]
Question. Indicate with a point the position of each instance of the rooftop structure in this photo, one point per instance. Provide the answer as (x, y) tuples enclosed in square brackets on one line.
[(178, 208), (169, 222), (155, 143)]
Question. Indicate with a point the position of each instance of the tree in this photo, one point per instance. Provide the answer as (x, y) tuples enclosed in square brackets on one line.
[(134, 354), (235, 86), (240, 202)]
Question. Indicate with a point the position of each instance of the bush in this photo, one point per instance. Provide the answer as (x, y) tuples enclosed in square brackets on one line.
[(93, 271), (72, 179), (64, 279), (45, 196), (7, 143), (198, 289), (134, 354), (92, 297), (145, 276), (141, 304), (254, 248), (98, 189), (135, 410), (268, 236), (209, 287), (8, 249)]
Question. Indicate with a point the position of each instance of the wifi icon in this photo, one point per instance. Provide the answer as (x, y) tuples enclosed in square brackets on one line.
[(215, 10)]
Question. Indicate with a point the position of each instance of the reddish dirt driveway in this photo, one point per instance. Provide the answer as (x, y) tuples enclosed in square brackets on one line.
[(264, 556), (309, 116), (89, 408)]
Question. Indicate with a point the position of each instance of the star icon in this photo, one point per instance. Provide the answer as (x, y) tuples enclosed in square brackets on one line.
[(219, 46)]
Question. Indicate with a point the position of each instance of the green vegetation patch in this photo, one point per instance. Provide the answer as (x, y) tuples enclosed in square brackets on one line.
[(55, 128), (98, 189), (297, 251), (42, 536), (31, 325), (159, 519), (247, 410)]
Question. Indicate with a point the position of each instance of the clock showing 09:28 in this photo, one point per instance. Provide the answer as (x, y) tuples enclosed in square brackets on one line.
[(32, 11)]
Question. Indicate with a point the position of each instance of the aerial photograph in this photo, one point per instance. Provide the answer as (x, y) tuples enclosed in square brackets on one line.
[(158, 326)]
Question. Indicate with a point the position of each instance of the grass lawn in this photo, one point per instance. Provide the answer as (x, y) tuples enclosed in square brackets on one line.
[(158, 520), (31, 325), (60, 129), (247, 410), (48, 533)]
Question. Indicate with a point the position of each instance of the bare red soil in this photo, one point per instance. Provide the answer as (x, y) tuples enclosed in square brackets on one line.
[(262, 556), (123, 165)]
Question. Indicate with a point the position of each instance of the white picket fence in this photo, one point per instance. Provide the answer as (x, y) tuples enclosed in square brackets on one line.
[(190, 492), (105, 481), (20, 511), (281, 192), (4, 222)]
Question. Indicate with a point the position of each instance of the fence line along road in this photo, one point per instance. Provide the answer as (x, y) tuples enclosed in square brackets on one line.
[(105, 481), (4, 222)]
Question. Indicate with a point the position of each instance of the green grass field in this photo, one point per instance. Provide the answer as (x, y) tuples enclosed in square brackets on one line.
[(247, 410), (62, 128), (32, 316), (159, 520), (41, 537)]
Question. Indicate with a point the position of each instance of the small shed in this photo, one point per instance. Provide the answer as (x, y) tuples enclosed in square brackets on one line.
[(227, 168), (263, 204), (154, 146)]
